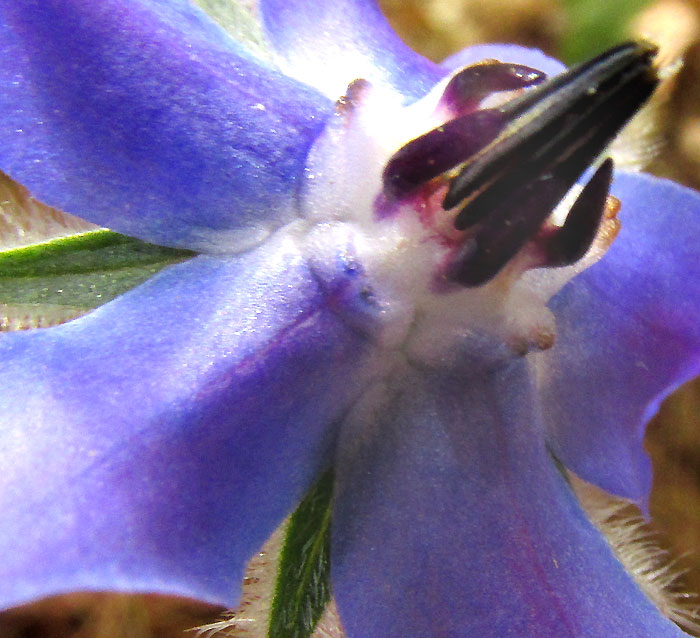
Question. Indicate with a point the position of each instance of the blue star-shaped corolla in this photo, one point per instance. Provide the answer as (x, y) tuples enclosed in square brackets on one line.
[(348, 308)]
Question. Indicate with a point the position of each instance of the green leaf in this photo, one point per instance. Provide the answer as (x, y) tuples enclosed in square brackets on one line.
[(241, 20), (303, 580), (80, 272), (594, 25)]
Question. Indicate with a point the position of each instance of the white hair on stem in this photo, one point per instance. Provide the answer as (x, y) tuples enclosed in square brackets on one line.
[(637, 546)]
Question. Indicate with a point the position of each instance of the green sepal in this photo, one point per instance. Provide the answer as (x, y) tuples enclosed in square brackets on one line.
[(303, 578), (594, 25), (82, 271)]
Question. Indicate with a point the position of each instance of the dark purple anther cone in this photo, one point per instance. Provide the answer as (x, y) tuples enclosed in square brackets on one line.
[(515, 184), (517, 162)]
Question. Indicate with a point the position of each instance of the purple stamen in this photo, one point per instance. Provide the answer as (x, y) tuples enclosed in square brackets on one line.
[(440, 150), (511, 187), (569, 243), (447, 146), (474, 83)]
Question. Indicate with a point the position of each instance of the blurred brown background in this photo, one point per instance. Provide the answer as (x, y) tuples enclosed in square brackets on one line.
[(569, 29)]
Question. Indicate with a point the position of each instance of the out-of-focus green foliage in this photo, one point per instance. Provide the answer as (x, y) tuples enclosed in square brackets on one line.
[(594, 25)]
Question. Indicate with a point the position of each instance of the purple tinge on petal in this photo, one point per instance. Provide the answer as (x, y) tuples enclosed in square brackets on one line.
[(154, 444), (145, 117), (330, 44), (533, 58), (451, 520), (628, 333)]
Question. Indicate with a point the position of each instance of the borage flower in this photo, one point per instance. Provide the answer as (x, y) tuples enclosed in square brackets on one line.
[(382, 289)]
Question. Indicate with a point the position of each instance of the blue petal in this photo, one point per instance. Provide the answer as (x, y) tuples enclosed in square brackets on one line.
[(145, 117), (451, 520), (154, 444), (330, 44), (533, 58), (628, 333)]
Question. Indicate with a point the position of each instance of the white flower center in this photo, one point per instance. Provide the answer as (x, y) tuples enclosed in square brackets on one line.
[(403, 247)]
